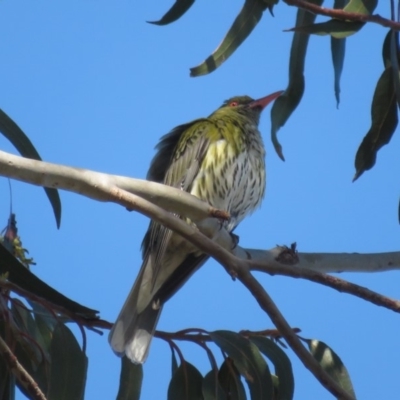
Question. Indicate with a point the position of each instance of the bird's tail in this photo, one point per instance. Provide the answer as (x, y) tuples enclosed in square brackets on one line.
[(132, 331)]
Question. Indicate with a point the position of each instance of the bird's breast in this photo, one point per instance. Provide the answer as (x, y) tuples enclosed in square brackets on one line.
[(232, 180)]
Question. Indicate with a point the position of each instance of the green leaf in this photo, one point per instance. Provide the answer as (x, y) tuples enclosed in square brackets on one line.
[(130, 381), (361, 6), (339, 28), (7, 379), (174, 13), (332, 364), (285, 104), (334, 27), (68, 366), (384, 122), (212, 389), (282, 364), (25, 279), (338, 49), (174, 363), (186, 384), (243, 25), (25, 147), (32, 341), (230, 381), (248, 361)]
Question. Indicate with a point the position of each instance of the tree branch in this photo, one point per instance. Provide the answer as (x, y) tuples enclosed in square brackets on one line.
[(110, 188), (343, 15), (20, 372), (268, 305)]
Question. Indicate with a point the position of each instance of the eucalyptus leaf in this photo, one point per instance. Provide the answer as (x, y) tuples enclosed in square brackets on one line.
[(130, 381), (186, 384), (384, 122), (282, 365), (212, 389), (248, 360), (332, 364), (175, 12), (25, 279), (230, 381), (287, 102), (25, 147), (243, 25), (68, 366)]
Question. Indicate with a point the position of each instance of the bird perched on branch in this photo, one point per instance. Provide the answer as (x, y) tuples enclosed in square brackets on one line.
[(219, 159)]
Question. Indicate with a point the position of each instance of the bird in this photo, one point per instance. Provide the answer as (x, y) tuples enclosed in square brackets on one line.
[(219, 159)]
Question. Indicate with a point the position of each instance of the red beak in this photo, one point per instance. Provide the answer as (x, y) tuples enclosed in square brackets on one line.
[(264, 101)]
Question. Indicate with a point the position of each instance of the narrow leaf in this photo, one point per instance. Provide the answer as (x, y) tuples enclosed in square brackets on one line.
[(130, 381), (332, 364), (212, 389), (25, 279), (248, 361), (282, 364), (174, 363), (339, 28), (186, 384), (68, 366), (25, 147), (230, 381), (243, 25), (361, 6), (175, 12), (384, 122), (334, 27), (290, 99), (338, 49)]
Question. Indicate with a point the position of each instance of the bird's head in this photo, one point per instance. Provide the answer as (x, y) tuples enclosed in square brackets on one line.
[(246, 106)]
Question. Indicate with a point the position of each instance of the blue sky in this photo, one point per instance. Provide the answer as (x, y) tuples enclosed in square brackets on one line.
[(94, 86)]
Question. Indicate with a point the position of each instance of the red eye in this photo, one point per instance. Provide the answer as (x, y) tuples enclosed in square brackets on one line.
[(233, 104)]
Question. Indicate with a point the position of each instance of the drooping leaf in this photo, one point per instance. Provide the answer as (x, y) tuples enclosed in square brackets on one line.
[(68, 366), (384, 122), (212, 389), (282, 364), (338, 49), (230, 381), (336, 28), (361, 6), (248, 360), (7, 378), (186, 384), (130, 381), (332, 364), (285, 104), (25, 147), (25, 279), (175, 12), (339, 28), (174, 363), (32, 340), (243, 25)]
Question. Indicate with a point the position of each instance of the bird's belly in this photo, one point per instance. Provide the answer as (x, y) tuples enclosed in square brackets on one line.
[(235, 184)]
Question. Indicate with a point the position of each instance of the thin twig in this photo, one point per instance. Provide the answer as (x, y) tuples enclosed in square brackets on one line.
[(333, 282), (343, 15), (20, 372)]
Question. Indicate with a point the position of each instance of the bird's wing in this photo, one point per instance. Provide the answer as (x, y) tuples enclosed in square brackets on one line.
[(177, 162)]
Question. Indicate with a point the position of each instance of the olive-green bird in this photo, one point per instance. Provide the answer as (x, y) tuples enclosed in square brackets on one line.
[(219, 159)]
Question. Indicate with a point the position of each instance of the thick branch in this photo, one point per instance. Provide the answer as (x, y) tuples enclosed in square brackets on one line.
[(343, 15), (96, 185), (20, 372)]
